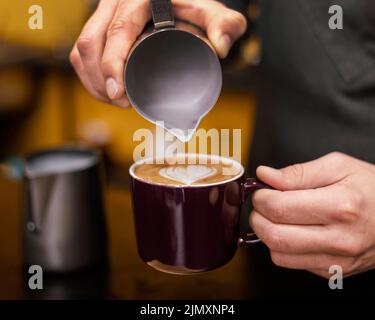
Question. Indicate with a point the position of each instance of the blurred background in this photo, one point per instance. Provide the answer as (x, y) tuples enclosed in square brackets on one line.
[(43, 105)]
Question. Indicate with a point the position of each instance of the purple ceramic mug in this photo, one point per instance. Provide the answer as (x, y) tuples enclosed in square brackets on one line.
[(190, 229)]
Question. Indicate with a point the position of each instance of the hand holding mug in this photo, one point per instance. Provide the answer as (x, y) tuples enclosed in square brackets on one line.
[(324, 214)]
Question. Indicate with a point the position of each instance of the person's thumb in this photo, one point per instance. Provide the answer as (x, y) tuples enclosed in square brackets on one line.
[(309, 175), (222, 25)]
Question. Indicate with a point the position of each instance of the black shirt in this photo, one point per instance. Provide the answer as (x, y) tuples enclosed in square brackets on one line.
[(316, 95), (319, 90)]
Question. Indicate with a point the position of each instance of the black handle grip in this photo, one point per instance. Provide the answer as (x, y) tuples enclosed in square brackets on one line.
[(162, 13)]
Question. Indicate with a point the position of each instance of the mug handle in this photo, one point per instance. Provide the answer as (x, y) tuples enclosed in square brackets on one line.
[(248, 187), (162, 14)]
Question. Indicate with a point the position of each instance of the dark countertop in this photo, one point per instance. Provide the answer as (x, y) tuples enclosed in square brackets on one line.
[(127, 277)]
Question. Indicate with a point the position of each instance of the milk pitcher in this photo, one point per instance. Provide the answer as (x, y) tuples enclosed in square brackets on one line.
[(64, 225), (173, 76)]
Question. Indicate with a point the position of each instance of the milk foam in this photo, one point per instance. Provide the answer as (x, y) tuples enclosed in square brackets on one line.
[(187, 174)]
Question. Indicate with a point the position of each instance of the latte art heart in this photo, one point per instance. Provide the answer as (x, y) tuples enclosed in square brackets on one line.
[(187, 174)]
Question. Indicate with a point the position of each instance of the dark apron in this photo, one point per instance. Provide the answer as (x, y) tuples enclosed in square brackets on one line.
[(316, 95)]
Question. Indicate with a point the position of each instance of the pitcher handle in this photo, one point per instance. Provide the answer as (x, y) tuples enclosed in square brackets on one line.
[(162, 14)]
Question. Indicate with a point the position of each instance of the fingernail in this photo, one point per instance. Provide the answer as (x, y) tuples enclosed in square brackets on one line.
[(112, 88), (268, 171), (122, 103), (224, 44)]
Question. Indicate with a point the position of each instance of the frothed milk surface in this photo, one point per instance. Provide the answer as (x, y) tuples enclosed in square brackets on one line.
[(184, 172)]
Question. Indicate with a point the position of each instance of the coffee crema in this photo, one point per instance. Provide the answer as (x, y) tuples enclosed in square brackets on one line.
[(182, 173)]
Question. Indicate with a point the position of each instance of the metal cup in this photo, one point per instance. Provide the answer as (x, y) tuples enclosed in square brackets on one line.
[(63, 223), (173, 74)]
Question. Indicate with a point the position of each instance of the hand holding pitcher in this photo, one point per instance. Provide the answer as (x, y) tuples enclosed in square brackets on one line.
[(102, 48)]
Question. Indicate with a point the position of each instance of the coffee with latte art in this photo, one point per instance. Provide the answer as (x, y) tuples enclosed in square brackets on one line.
[(191, 173)]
